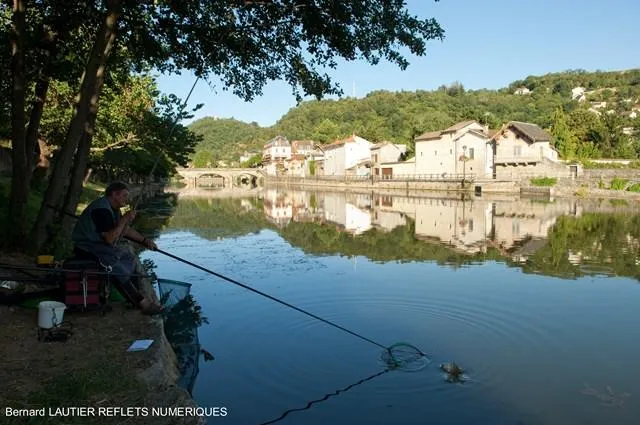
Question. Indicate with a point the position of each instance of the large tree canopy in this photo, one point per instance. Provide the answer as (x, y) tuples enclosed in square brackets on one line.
[(242, 43), (247, 43)]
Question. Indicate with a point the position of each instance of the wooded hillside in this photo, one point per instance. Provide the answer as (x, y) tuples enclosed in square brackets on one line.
[(399, 116)]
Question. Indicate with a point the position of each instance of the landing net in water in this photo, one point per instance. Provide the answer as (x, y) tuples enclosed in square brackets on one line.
[(404, 357)]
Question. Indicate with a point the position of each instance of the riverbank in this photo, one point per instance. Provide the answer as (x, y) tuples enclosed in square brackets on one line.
[(92, 368), (590, 187)]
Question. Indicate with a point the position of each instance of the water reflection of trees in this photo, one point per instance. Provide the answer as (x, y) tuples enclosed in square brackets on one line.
[(552, 238), (181, 322), (590, 244)]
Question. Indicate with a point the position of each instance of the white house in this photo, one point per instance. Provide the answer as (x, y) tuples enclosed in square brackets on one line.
[(578, 93), (598, 105), (348, 156), (522, 91), (464, 148), (276, 149)]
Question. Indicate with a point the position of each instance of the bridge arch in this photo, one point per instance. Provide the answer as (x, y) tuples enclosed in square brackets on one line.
[(228, 177), (211, 180)]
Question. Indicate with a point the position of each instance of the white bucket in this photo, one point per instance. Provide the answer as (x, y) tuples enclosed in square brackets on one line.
[(50, 314)]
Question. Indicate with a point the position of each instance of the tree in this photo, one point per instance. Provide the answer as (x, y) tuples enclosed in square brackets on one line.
[(253, 162), (21, 155), (228, 41), (325, 132), (203, 159), (86, 106), (563, 137)]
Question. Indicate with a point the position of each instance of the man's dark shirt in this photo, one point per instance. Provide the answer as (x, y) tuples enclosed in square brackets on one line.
[(103, 219)]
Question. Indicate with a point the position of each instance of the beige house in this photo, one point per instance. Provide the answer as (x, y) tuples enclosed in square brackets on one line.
[(524, 149), (464, 148), (302, 147), (296, 166), (385, 152)]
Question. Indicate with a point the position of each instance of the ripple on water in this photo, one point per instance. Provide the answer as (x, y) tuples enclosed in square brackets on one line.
[(295, 347)]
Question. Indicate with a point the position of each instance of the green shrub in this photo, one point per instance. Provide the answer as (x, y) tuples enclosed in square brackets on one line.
[(544, 181), (618, 184), (634, 187)]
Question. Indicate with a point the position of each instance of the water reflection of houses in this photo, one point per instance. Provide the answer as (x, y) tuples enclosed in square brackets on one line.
[(349, 212), (521, 228), (516, 228), (278, 207)]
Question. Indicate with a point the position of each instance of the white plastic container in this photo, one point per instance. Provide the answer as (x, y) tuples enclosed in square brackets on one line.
[(50, 314)]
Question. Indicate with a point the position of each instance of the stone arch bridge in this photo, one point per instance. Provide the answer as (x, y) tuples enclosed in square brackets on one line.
[(223, 177)]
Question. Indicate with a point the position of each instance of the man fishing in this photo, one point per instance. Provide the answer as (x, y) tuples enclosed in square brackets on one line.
[(96, 234)]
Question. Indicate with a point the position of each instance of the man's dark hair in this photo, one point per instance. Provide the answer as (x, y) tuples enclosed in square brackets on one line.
[(115, 187)]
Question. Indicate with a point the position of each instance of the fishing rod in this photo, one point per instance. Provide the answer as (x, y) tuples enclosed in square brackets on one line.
[(235, 282), (157, 161), (63, 270)]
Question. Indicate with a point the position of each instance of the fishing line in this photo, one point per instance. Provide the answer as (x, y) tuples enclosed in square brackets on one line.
[(326, 397), (157, 161), (400, 355)]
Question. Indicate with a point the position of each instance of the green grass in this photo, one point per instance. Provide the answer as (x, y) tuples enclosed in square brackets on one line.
[(544, 181), (634, 188), (618, 184)]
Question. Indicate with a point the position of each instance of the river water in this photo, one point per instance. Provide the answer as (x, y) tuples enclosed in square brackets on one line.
[(536, 300)]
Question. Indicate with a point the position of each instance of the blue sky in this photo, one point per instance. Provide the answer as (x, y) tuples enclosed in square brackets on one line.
[(488, 44)]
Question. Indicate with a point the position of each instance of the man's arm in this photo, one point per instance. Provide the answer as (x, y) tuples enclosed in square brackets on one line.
[(105, 225), (112, 235), (136, 236)]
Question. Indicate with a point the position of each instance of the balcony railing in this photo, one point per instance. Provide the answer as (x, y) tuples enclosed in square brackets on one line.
[(468, 177)]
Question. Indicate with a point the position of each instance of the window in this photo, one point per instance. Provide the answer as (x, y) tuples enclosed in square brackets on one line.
[(471, 153), (471, 225), (517, 150), (436, 153), (450, 151)]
